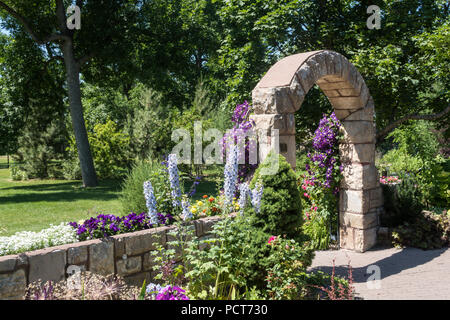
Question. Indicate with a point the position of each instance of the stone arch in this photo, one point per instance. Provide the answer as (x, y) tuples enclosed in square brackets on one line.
[(281, 92)]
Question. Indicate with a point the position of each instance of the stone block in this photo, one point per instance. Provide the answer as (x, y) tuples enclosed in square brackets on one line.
[(297, 92), (284, 123), (358, 176), (272, 100), (8, 263), (289, 153), (22, 261), (13, 285), (129, 265), (306, 77), (376, 197), (365, 239), (198, 228), (119, 246), (321, 63), (357, 153), (359, 221), (358, 132), (208, 223), (101, 257), (145, 240), (332, 93), (346, 102), (77, 254), (342, 113), (355, 201), (348, 92), (346, 237), (365, 114), (47, 265)]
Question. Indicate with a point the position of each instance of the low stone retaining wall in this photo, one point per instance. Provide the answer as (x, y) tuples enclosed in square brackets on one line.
[(127, 255)]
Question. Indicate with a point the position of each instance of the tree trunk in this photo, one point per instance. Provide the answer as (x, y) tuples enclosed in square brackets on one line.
[(76, 113)]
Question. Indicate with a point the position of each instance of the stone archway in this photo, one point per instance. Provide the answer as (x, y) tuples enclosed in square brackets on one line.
[(281, 92)]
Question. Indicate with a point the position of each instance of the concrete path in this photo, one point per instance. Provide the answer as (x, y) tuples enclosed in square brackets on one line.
[(405, 273)]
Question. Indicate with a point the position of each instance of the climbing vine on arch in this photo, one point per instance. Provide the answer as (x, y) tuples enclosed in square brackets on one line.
[(320, 184)]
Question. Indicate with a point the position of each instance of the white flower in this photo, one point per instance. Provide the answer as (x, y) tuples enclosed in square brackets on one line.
[(28, 241), (244, 191), (187, 214), (230, 174), (174, 180), (150, 202), (256, 196)]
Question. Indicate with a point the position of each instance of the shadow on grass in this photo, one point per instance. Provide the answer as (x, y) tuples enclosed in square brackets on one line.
[(67, 191), (407, 258)]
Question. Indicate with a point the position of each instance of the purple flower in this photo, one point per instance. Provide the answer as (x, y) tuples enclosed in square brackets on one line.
[(171, 293)]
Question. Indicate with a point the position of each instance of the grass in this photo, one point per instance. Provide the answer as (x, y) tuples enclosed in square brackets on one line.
[(35, 204)]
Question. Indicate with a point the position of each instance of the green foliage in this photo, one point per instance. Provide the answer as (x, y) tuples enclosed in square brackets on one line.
[(402, 202), (280, 212), (132, 196), (166, 257), (440, 192), (288, 260), (231, 263), (18, 174), (110, 150), (150, 126), (317, 228), (41, 146), (426, 231), (416, 152)]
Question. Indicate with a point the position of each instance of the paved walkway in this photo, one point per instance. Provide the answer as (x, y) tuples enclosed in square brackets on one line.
[(405, 273)]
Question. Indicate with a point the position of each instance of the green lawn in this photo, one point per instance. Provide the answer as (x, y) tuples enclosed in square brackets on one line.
[(34, 205)]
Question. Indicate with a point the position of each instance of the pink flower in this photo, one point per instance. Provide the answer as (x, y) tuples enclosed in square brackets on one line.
[(306, 195), (271, 239)]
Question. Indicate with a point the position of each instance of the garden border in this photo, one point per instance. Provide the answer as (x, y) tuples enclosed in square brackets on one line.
[(127, 255)]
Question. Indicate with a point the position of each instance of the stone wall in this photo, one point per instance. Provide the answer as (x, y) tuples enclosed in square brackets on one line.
[(128, 255)]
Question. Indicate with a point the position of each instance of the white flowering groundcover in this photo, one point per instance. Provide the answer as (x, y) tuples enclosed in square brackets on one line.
[(28, 241)]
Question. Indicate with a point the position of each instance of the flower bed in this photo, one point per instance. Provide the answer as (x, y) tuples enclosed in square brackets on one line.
[(127, 255)]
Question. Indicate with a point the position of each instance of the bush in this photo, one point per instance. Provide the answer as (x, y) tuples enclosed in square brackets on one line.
[(401, 202), (150, 126), (18, 174), (39, 147), (110, 151), (71, 169), (280, 212), (417, 152), (132, 197), (288, 261), (426, 231)]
